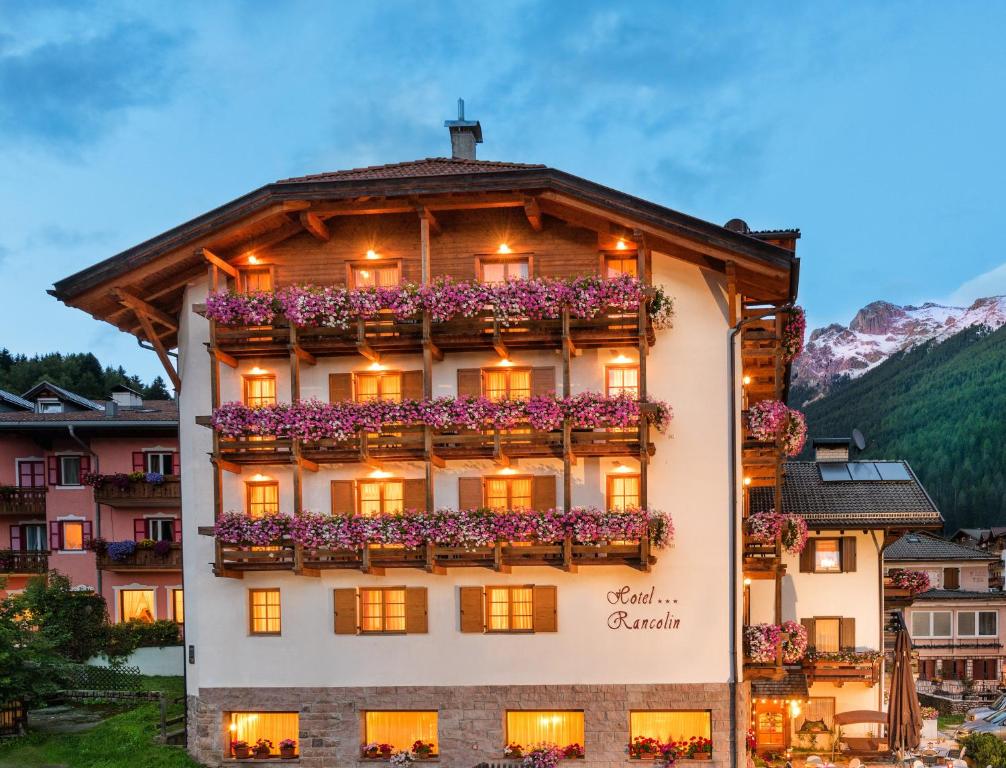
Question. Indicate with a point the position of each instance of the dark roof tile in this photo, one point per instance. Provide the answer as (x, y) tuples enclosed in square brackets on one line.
[(957, 594), (431, 166), (924, 546), (792, 685), (152, 410)]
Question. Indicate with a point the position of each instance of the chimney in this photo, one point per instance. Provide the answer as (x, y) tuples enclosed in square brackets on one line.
[(831, 449), (111, 409), (465, 134)]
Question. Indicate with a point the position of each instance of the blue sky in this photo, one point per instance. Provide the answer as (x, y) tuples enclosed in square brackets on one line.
[(875, 128)]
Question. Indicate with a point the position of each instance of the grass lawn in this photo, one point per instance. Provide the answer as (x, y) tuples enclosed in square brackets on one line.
[(949, 721), (125, 740)]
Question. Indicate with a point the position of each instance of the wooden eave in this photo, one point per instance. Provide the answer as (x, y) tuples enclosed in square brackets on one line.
[(156, 271)]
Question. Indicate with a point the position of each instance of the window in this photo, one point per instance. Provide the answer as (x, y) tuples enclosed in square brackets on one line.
[(977, 623), (264, 611), (499, 270), (623, 491), (69, 470), (931, 623), (535, 726), (31, 473), (506, 383), (160, 529), (32, 537), (260, 390), (161, 463), (951, 578), (48, 405), (263, 497), (71, 535), (510, 609), (508, 492), (255, 279), (382, 610), (372, 275), (178, 606), (400, 729), (827, 635), (249, 727), (670, 725), (136, 605), (622, 380), (827, 556), (375, 497), (385, 385), (620, 264)]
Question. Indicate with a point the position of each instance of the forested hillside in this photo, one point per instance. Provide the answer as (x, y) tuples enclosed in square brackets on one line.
[(79, 372), (943, 408)]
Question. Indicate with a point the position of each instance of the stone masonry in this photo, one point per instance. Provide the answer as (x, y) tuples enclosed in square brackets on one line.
[(470, 718)]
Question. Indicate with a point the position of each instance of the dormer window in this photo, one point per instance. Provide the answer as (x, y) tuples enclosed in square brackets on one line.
[(48, 405)]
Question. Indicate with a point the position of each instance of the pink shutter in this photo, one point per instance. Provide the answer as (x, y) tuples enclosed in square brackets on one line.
[(138, 464), (53, 470), (176, 463), (85, 468), (87, 534), (178, 530), (139, 529), (15, 537), (55, 535)]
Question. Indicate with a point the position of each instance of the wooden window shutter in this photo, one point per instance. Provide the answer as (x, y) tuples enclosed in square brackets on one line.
[(139, 465), (543, 381), (544, 609), (176, 463), (847, 634), (345, 611), (807, 557), (848, 554), (139, 529), (178, 530), (472, 616), (342, 497), (53, 463), (15, 537), (951, 578), (414, 494), (960, 669), (470, 493), (469, 381), (415, 610), (55, 535), (543, 492), (811, 626), (85, 467), (412, 385), (340, 387)]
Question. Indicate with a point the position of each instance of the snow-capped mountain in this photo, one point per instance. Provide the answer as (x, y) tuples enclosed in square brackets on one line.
[(879, 330)]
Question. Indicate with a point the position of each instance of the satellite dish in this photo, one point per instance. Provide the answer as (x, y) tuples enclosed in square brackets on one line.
[(858, 439)]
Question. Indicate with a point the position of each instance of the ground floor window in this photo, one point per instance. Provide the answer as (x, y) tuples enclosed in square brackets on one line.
[(247, 729), (178, 606), (399, 729), (528, 727), (136, 605), (670, 725)]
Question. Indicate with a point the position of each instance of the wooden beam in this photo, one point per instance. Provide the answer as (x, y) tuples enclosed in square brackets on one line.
[(424, 247), (217, 262), (368, 351), (437, 461), (303, 355), (313, 224), (129, 299), (224, 358), (427, 214), (533, 212), (310, 466), (227, 466), (162, 353)]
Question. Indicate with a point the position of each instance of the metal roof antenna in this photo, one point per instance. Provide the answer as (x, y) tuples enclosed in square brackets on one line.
[(465, 134)]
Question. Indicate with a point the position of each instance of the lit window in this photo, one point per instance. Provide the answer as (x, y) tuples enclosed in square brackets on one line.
[(375, 276), (510, 609), (71, 536), (535, 726), (69, 470), (380, 496), (136, 605), (382, 610), (162, 463), (508, 492), (501, 270), (623, 380), (275, 727), (621, 264), (623, 491), (253, 279), (506, 384), (178, 606), (264, 611), (263, 498), (260, 390), (160, 529), (668, 725), (827, 556), (401, 729), (379, 386), (827, 635)]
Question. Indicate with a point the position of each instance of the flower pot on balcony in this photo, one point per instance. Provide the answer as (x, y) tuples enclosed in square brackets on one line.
[(288, 753), (241, 751), (702, 756)]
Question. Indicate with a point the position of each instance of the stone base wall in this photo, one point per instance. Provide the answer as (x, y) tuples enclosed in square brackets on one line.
[(471, 719)]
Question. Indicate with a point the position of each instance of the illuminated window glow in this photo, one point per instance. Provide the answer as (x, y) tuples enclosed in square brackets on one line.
[(263, 498), (401, 729), (508, 492), (136, 605), (260, 390), (827, 556), (510, 609), (256, 279), (376, 275), (178, 606), (617, 265), (623, 491), (622, 380), (529, 727), (827, 635), (668, 725), (273, 726), (383, 385), (380, 496), (502, 270), (382, 610), (506, 383), (264, 612)]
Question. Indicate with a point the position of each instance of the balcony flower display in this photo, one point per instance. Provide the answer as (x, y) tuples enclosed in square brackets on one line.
[(401, 758), (122, 480), (762, 642), (794, 642), (464, 528), (765, 527), (542, 756), (915, 582), (120, 551), (316, 420), (849, 657), (772, 419), (537, 298), (793, 332)]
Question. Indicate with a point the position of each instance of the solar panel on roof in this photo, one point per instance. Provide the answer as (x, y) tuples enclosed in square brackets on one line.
[(834, 471), (863, 471), (892, 470)]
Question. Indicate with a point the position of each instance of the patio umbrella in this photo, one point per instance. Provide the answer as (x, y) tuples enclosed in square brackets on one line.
[(904, 719)]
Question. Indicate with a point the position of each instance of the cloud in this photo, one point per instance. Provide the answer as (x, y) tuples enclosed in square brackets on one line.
[(991, 283), (64, 237), (66, 93)]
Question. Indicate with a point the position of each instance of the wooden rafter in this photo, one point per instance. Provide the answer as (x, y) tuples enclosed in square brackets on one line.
[(147, 314), (533, 212), (313, 224), (134, 302), (219, 263)]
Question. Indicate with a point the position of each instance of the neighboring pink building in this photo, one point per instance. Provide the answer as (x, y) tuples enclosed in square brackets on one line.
[(68, 502)]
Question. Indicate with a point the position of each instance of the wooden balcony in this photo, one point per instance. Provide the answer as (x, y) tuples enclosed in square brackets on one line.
[(896, 597), (141, 494), (762, 559), (145, 560), (416, 443), (22, 501), (842, 672), (233, 560), (19, 562), (388, 335)]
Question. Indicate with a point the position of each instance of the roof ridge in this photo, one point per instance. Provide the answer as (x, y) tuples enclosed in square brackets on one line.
[(371, 169)]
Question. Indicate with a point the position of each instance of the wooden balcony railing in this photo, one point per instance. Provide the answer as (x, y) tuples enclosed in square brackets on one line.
[(22, 501), (143, 560), (386, 334), (233, 559), (19, 561), (896, 597), (840, 672), (141, 494)]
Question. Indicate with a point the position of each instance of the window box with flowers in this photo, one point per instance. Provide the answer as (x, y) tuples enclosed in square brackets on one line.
[(288, 749)]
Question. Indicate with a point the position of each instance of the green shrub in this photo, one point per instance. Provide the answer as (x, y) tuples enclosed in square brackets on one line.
[(985, 749), (74, 623), (125, 638)]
